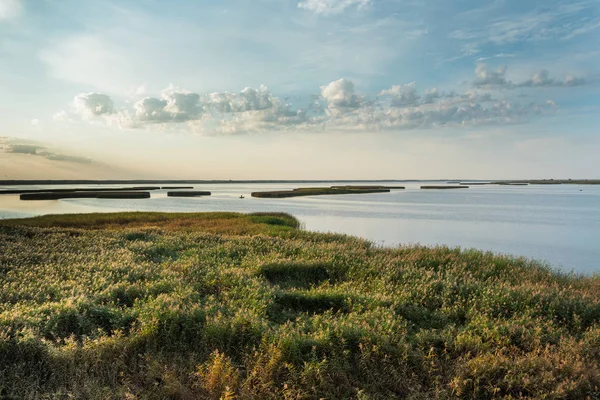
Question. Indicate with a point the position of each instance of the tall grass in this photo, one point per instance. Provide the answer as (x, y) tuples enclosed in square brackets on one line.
[(224, 305)]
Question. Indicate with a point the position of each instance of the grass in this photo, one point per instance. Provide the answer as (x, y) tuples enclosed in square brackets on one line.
[(247, 306)]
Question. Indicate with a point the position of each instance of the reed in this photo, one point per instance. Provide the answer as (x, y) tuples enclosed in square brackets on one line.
[(247, 306)]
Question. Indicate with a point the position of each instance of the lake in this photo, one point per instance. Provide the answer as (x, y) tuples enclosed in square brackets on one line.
[(559, 224)]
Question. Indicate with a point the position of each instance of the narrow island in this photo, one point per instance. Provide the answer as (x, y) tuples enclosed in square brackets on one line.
[(444, 187), (248, 306), (319, 191), (188, 193), (73, 190), (85, 195)]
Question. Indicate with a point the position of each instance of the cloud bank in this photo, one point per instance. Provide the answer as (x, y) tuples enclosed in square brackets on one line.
[(338, 106), (496, 78), (17, 146)]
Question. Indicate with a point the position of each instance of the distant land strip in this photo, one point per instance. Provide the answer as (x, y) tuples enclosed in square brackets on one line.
[(70, 190), (85, 195), (444, 187), (15, 182), (320, 191), (180, 181)]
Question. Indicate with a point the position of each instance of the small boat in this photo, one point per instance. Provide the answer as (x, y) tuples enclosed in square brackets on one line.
[(241, 196)]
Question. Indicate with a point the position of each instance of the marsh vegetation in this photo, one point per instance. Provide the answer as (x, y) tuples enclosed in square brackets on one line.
[(225, 305)]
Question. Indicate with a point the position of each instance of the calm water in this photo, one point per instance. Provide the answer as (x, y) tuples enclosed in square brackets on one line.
[(559, 224)]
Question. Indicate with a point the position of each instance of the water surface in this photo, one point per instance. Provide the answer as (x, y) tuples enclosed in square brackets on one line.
[(559, 224)]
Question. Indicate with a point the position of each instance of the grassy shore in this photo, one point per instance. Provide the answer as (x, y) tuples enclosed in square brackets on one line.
[(225, 305)]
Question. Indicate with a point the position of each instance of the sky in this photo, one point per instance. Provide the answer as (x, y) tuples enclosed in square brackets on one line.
[(299, 89)]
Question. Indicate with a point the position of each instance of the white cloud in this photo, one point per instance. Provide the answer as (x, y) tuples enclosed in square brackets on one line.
[(499, 55), (582, 29), (175, 105), (249, 99), (332, 6), (402, 108), (564, 22), (447, 113), (151, 109), (487, 77), (10, 9), (93, 104), (219, 112), (340, 95), (542, 79), (402, 95), (338, 107), (431, 96)]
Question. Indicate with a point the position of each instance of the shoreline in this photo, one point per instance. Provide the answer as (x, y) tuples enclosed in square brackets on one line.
[(21, 182)]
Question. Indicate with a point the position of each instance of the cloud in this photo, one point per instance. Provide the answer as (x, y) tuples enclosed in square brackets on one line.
[(340, 96), (403, 95), (249, 99), (180, 105), (18, 146), (174, 105), (338, 107), (487, 77), (9, 9), (332, 6), (582, 29), (543, 79), (563, 22), (499, 55), (431, 96), (401, 107), (446, 113), (93, 104), (218, 112)]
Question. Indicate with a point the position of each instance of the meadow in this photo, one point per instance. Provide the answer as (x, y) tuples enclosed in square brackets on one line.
[(250, 306)]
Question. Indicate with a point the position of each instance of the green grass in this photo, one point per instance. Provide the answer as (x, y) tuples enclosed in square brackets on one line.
[(226, 305)]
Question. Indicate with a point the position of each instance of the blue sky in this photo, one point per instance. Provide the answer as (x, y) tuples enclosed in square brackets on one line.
[(248, 89)]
